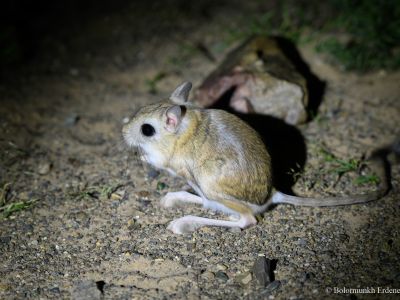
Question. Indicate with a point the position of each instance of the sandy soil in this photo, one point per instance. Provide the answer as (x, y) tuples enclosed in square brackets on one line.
[(96, 223)]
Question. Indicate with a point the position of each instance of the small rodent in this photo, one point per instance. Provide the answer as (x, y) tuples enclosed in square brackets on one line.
[(222, 158)]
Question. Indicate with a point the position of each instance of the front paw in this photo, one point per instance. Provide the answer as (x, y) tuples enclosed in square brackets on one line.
[(183, 225), (168, 201)]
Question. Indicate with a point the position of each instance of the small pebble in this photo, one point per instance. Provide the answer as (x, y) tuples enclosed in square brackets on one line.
[(208, 275), (115, 196), (221, 267), (133, 224), (221, 275), (143, 194), (34, 243), (55, 290), (71, 120), (272, 286), (44, 168), (244, 278), (302, 242)]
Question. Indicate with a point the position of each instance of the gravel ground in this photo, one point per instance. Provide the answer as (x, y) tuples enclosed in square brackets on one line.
[(95, 229)]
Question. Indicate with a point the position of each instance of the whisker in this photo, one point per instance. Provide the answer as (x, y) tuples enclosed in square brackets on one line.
[(118, 147), (134, 154)]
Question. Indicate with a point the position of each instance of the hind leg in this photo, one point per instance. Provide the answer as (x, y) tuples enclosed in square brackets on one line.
[(188, 224), (173, 199)]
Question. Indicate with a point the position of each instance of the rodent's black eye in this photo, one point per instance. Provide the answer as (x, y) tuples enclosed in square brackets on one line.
[(148, 130)]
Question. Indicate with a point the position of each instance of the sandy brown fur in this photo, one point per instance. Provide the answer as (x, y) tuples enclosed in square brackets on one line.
[(221, 157)]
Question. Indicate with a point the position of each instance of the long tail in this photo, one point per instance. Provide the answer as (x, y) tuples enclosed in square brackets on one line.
[(379, 165)]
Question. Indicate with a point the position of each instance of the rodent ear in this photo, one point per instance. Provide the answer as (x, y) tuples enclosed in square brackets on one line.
[(174, 117), (181, 93)]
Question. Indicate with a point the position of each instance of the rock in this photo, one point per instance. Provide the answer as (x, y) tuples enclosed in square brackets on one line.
[(302, 242), (85, 290), (55, 290), (262, 270), (208, 275), (272, 286), (133, 224), (5, 240), (221, 267), (144, 194), (244, 278), (71, 120), (34, 243), (221, 275), (115, 196), (44, 168), (261, 79)]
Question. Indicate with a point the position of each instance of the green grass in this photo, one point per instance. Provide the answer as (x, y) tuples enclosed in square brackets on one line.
[(153, 82), (367, 179), (342, 166), (371, 27), (7, 208), (97, 192), (85, 194), (11, 208), (161, 186), (107, 190), (287, 20), (186, 50)]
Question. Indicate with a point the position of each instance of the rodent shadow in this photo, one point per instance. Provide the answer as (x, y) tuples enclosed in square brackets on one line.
[(284, 142), (315, 87), (286, 146)]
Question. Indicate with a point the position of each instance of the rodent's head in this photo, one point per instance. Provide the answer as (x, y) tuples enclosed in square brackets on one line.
[(155, 124)]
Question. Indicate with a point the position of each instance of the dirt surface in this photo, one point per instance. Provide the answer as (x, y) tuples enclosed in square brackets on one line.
[(96, 229)]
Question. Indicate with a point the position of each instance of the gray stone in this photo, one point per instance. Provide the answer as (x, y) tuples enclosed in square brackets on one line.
[(262, 80), (221, 275), (262, 270), (272, 286), (85, 290)]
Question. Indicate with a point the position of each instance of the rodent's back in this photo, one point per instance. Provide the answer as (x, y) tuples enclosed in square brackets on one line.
[(231, 162)]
